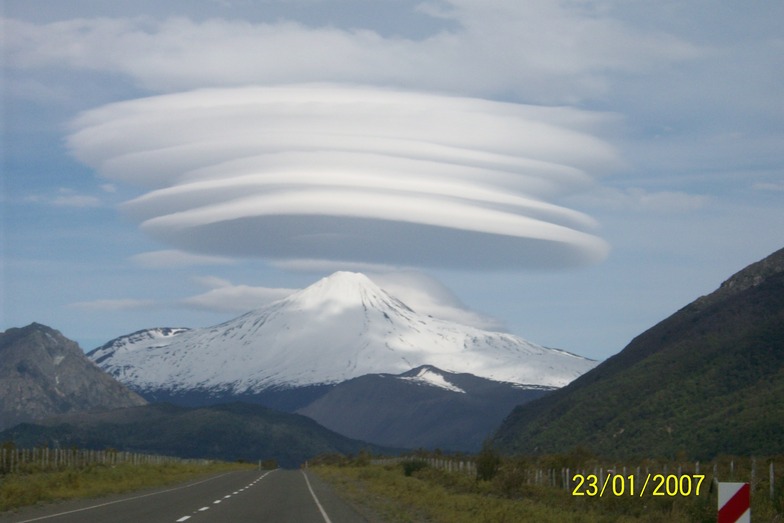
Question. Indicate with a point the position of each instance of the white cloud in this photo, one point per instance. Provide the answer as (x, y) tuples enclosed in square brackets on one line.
[(353, 173), (329, 266), (76, 200), (224, 296), (66, 198), (769, 186), (113, 304), (427, 295), (212, 282), (640, 200), (173, 258), (552, 52)]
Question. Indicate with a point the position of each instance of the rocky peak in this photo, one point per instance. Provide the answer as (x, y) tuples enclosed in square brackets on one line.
[(751, 276), (43, 373)]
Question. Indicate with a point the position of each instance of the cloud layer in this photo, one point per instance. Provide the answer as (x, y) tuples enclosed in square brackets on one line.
[(353, 173), (170, 258), (544, 51)]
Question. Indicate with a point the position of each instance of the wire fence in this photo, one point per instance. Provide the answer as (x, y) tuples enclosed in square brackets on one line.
[(763, 475), (17, 460)]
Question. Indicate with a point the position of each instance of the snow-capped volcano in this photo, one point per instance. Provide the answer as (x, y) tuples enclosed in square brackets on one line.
[(343, 326)]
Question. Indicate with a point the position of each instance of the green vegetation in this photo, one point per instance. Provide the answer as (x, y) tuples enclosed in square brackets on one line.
[(30, 486), (487, 463), (707, 381), (394, 492), (413, 465)]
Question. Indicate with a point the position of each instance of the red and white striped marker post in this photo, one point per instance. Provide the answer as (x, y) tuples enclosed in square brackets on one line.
[(734, 503)]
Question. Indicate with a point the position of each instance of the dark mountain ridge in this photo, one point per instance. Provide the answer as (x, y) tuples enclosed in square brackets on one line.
[(235, 431), (705, 381), (424, 407)]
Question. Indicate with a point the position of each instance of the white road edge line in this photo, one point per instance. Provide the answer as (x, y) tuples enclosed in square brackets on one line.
[(122, 500), (321, 509)]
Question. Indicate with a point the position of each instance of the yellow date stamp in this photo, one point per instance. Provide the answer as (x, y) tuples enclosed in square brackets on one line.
[(618, 485)]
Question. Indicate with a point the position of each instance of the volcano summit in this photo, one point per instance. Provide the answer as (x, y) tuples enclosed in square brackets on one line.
[(341, 327)]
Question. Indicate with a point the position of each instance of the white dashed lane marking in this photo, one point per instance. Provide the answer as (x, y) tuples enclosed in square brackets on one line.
[(227, 496)]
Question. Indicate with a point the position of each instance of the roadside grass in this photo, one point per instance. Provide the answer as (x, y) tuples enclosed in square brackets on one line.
[(31, 487), (435, 495)]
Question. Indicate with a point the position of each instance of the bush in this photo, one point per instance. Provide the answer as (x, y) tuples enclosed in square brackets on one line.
[(412, 465), (487, 462), (269, 464)]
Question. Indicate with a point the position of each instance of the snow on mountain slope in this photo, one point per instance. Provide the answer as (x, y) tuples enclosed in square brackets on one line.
[(136, 341), (341, 327), (428, 376)]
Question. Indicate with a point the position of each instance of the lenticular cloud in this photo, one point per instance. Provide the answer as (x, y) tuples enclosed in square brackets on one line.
[(353, 174)]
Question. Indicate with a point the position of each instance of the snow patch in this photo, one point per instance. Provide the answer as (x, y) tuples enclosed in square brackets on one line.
[(136, 341), (428, 377)]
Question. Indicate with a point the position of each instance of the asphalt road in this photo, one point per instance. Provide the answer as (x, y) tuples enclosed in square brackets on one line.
[(279, 496)]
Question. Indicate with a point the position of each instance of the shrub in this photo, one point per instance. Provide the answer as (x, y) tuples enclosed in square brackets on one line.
[(487, 462), (412, 465)]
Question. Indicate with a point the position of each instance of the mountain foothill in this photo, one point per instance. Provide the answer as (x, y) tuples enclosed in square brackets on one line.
[(706, 381)]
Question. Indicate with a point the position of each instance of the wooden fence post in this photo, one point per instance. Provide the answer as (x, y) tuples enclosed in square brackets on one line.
[(771, 480), (715, 475)]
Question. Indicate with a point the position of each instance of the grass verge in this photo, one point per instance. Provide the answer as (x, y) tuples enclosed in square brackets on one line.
[(28, 488), (435, 495)]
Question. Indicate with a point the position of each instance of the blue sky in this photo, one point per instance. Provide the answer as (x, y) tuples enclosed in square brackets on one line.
[(572, 172)]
